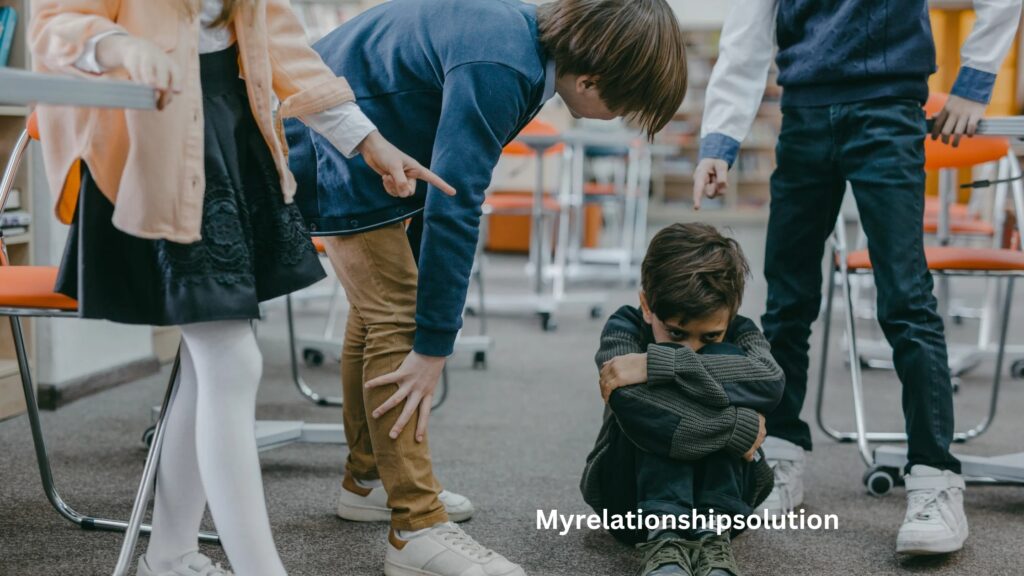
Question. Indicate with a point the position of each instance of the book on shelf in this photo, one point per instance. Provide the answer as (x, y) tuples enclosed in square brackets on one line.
[(15, 219), (13, 200), (8, 27)]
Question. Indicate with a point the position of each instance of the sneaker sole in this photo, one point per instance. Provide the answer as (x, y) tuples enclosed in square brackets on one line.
[(355, 513), (393, 569), (932, 547)]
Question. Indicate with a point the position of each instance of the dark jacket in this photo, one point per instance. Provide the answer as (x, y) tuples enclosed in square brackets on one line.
[(835, 51), (449, 82), (692, 405)]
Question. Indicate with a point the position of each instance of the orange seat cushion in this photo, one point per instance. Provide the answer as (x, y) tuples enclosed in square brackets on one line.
[(960, 211), (971, 151), (319, 244), (534, 128), (958, 226), (32, 287), (599, 189), (955, 258), (518, 202)]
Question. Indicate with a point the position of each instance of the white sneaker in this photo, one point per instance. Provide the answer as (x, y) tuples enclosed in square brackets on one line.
[(360, 504), (444, 550), (787, 461), (191, 564), (935, 522)]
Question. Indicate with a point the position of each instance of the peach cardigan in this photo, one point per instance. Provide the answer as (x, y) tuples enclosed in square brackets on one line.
[(150, 163)]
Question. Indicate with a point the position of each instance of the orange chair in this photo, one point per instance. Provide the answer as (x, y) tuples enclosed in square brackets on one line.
[(508, 212), (28, 291), (999, 263), (961, 220)]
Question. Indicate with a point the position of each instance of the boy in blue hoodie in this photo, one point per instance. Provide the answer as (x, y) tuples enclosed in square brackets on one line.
[(854, 75), (450, 82)]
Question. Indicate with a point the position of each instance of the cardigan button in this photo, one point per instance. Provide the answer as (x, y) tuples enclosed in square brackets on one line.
[(353, 223)]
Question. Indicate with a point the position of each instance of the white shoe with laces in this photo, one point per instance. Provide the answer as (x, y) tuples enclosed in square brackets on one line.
[(935, 522), (361, 504), (191, 564), (444, 550), (787, 461)]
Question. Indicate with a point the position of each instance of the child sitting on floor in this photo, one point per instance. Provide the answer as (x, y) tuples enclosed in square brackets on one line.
[(687, 382)]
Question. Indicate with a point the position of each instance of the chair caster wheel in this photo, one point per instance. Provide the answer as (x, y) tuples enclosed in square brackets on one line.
[(597, 312), (547, 322), (147, 436), (479, 360), (313, 357), (879, 480), (1017, 369)]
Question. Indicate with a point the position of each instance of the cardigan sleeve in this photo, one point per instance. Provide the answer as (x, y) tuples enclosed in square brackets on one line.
[(60, 30), (303, 83)]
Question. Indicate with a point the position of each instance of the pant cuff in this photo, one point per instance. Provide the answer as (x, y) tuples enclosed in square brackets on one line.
[(420, 522)]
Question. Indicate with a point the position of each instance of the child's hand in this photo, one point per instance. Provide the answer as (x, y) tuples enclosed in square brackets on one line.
[(710, 179), (145, 63), (399, 171), (958, 117), (762, 432), (620, 371)]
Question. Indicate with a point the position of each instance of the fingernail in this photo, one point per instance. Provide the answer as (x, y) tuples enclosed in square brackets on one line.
[(394, 435)]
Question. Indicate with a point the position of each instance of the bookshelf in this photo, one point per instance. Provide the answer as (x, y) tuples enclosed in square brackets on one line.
[(19, 245), (748, 194)]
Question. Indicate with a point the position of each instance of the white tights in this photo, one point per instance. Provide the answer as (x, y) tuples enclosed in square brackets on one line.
[(209, 451)]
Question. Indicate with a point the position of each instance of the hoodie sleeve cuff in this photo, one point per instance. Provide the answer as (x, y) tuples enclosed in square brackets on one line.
[(744, 434), (973, 84), (718, 145), (661, 364), (434, 342)]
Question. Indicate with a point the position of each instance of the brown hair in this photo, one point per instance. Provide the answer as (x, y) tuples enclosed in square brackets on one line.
[(634, 47), (691, 270), (227, 12)]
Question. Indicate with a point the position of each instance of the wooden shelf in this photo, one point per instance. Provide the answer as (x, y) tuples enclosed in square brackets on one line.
[(19, 111)]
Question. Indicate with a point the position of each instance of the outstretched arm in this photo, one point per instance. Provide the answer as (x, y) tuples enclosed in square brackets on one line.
[(734, 92)]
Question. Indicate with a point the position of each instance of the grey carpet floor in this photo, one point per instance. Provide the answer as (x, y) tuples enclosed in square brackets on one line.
[(513, 438)]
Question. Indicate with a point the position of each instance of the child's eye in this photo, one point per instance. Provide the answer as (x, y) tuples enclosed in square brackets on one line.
[(677, 335), (710, 338)]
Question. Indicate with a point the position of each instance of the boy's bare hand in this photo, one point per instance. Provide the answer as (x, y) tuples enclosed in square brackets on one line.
[(960, 116), (416, 379), (710, 179), (762, 433), (625, 370), (398, 170)]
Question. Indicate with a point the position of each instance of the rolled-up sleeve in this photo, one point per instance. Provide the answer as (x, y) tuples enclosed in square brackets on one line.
[(60, 30), (303, 83)]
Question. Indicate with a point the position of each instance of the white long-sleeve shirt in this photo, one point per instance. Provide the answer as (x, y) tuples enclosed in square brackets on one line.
[(748, 43)]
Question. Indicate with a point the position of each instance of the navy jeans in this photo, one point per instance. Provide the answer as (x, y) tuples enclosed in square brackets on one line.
[(878, 146)]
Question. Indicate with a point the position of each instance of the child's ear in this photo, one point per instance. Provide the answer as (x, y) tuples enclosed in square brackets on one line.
[(585, 82), (645, 309)]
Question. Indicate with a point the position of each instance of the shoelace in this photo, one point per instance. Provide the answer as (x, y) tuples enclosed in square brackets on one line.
[(924, 504), (716, 552), (206, 567), (667, 551), (458, 539)]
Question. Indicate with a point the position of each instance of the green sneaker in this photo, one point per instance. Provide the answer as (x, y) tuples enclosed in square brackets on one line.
[(670, 556), (715, 557)]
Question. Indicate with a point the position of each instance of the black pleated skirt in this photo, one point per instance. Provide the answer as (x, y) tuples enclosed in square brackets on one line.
[(254, 247)]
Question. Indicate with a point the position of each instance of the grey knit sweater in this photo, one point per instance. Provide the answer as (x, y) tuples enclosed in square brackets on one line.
[(693, 404)]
